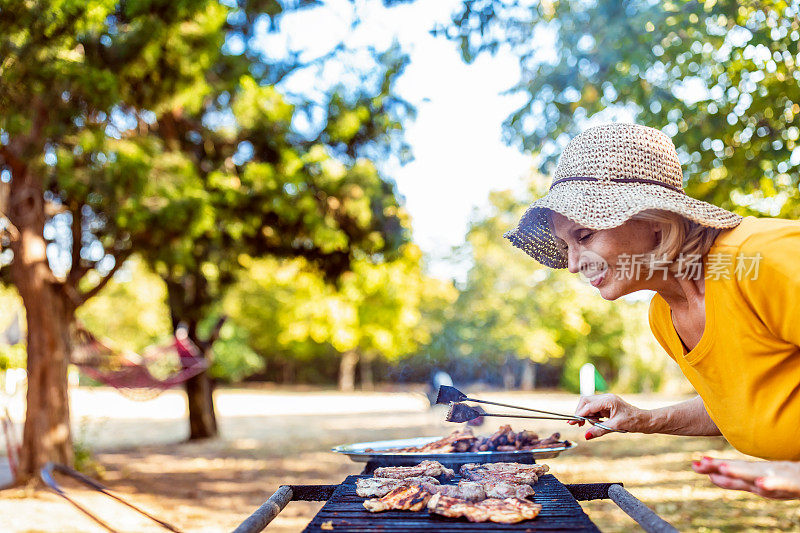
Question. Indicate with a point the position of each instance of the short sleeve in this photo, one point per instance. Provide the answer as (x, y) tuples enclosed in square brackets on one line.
[(769, 277)]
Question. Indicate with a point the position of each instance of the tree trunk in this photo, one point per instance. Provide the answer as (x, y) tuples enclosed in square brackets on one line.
[(509, 379), (46, 434), (200, 390), (528, 379), (347, 371), (288, 372), (367, 378), (202, 417)]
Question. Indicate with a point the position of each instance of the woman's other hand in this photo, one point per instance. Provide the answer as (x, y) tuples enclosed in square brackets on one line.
[(618, 413), (779, 480)]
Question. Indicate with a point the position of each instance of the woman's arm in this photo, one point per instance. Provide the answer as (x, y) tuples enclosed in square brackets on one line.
[(685, 418)]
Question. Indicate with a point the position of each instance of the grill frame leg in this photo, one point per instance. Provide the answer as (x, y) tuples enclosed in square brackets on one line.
[(271, 508), (642, 514), (630, 505)]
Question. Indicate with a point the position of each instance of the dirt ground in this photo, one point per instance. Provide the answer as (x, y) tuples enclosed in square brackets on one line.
[(274, 436)]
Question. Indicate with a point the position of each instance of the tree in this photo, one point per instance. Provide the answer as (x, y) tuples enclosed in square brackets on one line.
[(719, 76), (292, 315), (133, 125)]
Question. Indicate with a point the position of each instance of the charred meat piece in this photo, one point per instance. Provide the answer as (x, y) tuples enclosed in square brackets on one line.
[(411, 498), (505, 440), (555, 438), (381, 486), (425, 468), (505, 511), (501, 437), (525, 437), (465, 490)]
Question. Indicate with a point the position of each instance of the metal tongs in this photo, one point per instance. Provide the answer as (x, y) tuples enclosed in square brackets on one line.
[(460, 412)]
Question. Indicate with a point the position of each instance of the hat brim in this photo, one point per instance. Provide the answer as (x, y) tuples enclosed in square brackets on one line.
[(604, 205)]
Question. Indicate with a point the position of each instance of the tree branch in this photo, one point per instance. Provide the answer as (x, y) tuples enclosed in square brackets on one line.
[(214, 335), (75, 271), (118, 260)]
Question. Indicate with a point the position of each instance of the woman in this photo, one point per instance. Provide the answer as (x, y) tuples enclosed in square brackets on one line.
[(727, 303)]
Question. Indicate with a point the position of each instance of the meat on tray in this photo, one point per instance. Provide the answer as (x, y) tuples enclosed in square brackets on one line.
[(381, 486), (463, 440), (460, 440), (505, 511), (506, 440), (409, 498), (425, 468)]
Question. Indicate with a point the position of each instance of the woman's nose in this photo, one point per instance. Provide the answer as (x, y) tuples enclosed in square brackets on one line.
[(573, 259)]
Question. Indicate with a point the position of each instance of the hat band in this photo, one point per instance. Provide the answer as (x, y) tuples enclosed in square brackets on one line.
[(618, 180)]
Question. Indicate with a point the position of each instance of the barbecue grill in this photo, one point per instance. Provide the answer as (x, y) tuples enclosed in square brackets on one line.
[(344, 510)]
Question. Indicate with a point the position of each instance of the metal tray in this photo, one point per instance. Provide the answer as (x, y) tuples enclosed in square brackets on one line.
[(357, 452)]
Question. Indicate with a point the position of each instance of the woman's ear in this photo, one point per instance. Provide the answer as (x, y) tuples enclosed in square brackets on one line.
[(658, 232)]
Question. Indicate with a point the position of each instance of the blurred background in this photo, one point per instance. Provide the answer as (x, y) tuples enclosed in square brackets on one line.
[(275, 200)]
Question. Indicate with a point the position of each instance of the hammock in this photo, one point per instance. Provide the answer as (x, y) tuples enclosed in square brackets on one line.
[(131, 373)]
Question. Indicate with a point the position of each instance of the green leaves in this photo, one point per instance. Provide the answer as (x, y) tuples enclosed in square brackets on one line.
[(288, 310), (261, 109), (719, 77), (140, 125)]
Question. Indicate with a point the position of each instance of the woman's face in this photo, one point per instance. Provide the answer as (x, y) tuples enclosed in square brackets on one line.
[(608, 257)]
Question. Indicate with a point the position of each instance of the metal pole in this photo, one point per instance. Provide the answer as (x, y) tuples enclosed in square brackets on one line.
[(643, 515), (267, 512)]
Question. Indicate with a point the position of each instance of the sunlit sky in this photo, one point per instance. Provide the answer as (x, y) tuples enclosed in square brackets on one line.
[(456, 137)]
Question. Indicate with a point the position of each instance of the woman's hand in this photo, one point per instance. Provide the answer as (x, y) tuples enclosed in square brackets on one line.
[(779, 480), (618, 413), (686, 418)]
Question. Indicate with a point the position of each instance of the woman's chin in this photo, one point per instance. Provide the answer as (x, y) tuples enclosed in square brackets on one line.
[(608, 291)]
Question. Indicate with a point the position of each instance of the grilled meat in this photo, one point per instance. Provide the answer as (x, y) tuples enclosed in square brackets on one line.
[(514, 473), (509, 510), (506, 511), (425, 468), (381, 486), (457, 441), (455, 508), (410, 498), (552, 440), (505, 440), (504, 489), (465, 490)]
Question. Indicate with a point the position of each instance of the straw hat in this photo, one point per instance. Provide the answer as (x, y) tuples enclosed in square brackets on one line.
[(606, 175)]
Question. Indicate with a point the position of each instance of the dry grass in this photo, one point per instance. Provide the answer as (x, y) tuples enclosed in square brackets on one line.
[(271, 438)]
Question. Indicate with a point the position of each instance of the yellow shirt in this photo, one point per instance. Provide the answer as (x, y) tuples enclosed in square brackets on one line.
[(746, 366)]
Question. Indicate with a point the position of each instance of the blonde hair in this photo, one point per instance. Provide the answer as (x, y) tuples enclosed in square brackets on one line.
[(680, 236)]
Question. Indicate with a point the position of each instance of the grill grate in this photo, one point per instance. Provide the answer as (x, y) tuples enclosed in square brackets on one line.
[(345, 512)]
